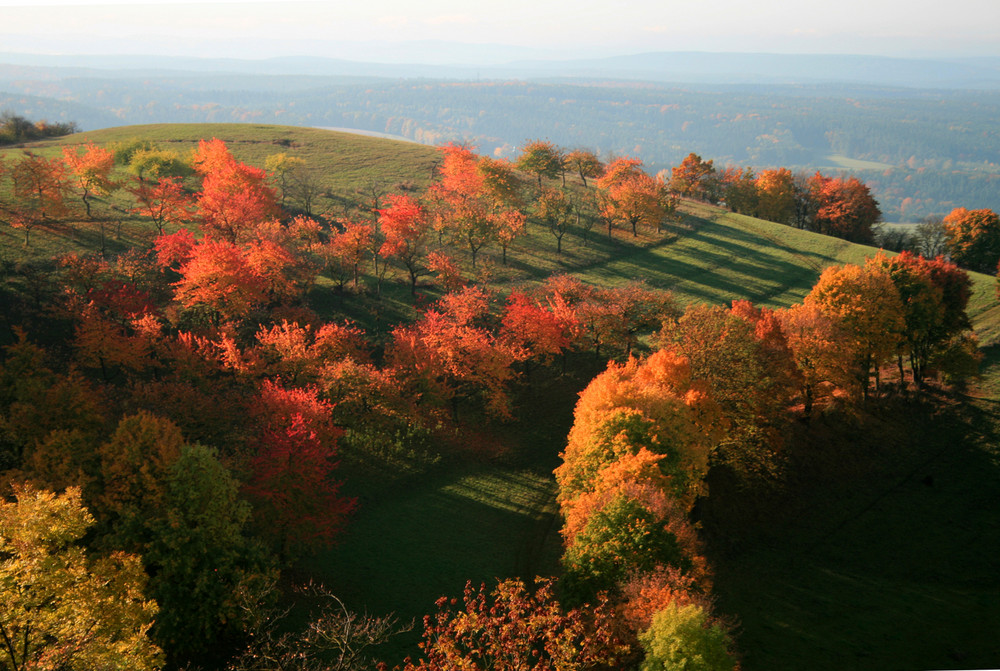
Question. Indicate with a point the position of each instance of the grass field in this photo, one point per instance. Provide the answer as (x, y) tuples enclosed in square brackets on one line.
[(872, 568)]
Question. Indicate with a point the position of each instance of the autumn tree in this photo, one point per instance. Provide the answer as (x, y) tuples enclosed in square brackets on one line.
[(349, 248), (473, 206), (39, 192), (695, 178), (585, 163), (297, 503), (934, 295), (776, 195), (64, 608), (613, 318), (973, 238), (200, 555), (654, 404), (450, 354), (164, 202), (844, 208), (555, 209), (742, 355), (686, 638), (134, 464), (535, 331), (823, 356), (283, 168), (514, 627), (626, 523), (868, 307), (92, 171), (739, 190), (151, 164), (218, 276), (405, 227), (234, 198), (542, 159)]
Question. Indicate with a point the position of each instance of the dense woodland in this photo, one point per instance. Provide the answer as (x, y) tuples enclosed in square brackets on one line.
[(173, 416)]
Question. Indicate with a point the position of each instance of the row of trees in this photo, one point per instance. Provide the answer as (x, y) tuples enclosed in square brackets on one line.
[(720, 393)]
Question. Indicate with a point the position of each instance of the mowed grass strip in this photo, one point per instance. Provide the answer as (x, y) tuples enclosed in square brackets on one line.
[(420, 541)]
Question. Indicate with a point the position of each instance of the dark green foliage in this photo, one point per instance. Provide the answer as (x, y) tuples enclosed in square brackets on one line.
[(622, 537), (16, 129)]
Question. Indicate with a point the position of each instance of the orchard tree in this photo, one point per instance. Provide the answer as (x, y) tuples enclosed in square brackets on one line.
[(165, 202), (406, 228), (542, 159), (739, 190), (695, 178), (845, 208), (866, 303), (235, 198), (973, 238), (39, 192), (686, 638), (450, 354), (472, 206), (62, 607), (297, 503), (556, 211), (776, 195), (585, 163), (823, 355), (152, 164), (92, 171), (283, 168)]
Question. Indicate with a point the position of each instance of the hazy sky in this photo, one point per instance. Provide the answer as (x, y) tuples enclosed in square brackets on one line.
[(379, 29)]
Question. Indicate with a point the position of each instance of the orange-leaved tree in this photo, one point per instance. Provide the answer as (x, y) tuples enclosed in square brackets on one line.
[(92, 170), (235, 197), (973, 238), (516, 627), (867, 306)]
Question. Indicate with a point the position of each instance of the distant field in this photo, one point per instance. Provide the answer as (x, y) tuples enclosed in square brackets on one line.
[(838, 161)]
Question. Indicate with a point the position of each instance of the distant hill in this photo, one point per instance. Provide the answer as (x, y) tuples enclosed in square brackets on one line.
[(674, 67)]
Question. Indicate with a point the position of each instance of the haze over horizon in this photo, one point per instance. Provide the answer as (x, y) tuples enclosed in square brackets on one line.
[(450, 31)]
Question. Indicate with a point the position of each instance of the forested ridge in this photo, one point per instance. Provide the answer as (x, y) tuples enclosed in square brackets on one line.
[(214, 368), (917, 158)]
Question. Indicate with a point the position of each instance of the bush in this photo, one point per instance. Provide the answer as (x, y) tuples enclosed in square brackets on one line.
[(683, 638)]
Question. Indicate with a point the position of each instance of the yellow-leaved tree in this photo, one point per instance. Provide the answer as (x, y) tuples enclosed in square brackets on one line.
[(60, 608)]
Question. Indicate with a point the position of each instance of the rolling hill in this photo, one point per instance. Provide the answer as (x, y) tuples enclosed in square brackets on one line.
[(850, 550)]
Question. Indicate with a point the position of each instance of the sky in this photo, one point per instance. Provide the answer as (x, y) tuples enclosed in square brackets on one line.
[(410, 30)]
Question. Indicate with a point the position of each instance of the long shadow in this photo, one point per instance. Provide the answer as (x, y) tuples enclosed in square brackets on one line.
[(876, 543)]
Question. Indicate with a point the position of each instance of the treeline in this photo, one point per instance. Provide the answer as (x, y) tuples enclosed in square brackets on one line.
[(15, 129), (915, 133), (723, 391)]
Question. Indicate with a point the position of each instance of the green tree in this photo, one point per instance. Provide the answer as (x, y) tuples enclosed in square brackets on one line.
[(63, 610), (542, 159), (199, 555), (585, 163)]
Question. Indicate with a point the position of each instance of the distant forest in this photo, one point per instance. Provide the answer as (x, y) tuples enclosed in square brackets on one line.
[(921, 151)]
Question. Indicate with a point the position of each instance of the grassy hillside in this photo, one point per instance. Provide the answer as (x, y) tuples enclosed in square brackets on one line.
[(868, 547)]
